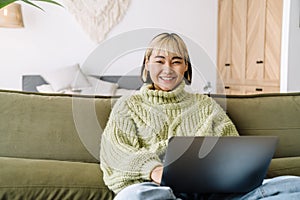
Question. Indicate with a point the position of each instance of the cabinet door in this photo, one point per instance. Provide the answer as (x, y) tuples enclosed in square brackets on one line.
[(255, 40), (232, 40), (238, 41), (224, 40), (274, 14), (264, 22)]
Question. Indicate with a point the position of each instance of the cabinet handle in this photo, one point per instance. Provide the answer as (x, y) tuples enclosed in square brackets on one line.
[(227, 87), (227, 64), (259, 62), (259, 89)]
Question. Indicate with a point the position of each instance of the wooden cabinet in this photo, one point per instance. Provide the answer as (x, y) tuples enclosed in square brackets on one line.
[(249, 46)]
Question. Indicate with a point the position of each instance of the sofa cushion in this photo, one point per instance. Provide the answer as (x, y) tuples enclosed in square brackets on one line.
[(284, 166), (267, 114), (69, 77), (49, 179)]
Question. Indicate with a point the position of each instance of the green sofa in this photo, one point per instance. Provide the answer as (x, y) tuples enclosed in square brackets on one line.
[(49, 143)]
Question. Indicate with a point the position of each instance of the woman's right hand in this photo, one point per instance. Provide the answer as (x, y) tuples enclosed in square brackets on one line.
[(156, 174)]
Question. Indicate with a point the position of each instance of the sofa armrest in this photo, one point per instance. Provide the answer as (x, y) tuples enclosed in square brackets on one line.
[(284, 166)]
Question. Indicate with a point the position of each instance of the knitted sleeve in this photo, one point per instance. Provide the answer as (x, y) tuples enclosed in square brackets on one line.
[(122, 159), (222, 124)]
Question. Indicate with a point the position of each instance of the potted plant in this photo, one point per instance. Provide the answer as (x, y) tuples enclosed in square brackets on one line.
[(4, 3)]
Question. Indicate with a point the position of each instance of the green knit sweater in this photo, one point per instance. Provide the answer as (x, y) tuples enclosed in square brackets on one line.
[(137, 132)]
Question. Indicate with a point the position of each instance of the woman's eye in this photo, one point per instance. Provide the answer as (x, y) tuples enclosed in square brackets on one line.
[(177, 62), (159, 61)]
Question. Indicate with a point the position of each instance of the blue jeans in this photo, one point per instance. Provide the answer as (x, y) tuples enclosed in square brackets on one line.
[(279, 188)]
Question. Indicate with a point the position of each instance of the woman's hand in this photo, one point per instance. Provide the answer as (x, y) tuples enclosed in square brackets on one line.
[(156, 174)]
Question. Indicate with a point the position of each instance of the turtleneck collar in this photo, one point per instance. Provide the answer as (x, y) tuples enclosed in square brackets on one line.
[(163, 97)]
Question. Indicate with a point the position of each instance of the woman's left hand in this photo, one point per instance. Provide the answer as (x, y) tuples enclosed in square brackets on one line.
[(156, 174)]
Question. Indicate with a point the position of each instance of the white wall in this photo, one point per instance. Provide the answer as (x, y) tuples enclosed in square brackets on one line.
[(49, 40), (53, 39), (293, 80)]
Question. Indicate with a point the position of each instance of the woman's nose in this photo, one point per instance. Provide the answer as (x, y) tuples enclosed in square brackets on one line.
[(168, 69)]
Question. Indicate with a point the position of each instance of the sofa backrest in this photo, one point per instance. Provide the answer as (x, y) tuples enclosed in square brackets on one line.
[(66, 127), (267, 114), (52, 126)]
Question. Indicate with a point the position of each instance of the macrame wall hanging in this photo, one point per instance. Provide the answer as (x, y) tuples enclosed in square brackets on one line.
[(97, 17)]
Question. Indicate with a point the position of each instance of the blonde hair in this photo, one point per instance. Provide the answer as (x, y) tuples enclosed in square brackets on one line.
[(168, 42)]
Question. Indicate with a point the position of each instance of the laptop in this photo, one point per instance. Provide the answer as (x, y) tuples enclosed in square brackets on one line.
[(231, 164)]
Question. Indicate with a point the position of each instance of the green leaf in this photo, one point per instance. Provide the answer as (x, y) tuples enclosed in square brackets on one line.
[(50, 1), (26, 1), (4, 3)]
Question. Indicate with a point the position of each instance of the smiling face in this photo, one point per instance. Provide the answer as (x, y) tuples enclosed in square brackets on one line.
[(166, 69), (166, 62)]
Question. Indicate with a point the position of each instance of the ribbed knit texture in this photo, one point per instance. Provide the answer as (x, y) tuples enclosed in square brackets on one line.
[(137, 132)]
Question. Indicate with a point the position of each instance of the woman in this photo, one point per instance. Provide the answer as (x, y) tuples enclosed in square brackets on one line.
[(137, 133)]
